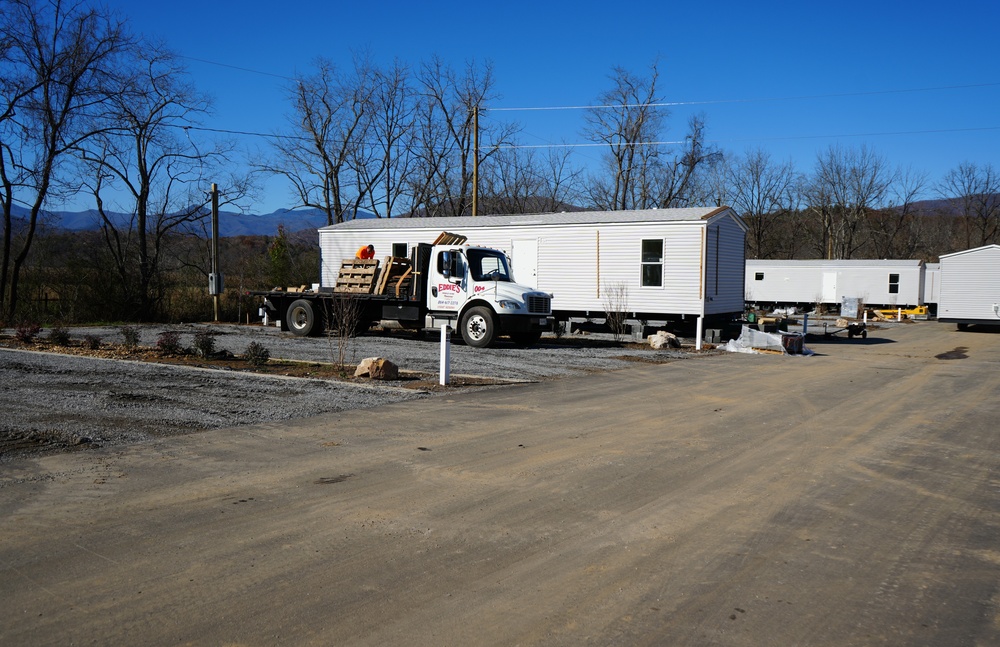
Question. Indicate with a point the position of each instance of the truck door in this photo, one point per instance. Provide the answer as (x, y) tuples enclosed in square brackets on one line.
[(448, 281)]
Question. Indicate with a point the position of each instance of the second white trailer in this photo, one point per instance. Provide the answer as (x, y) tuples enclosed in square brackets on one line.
[(654, 265), (888, 283), (970, 287)]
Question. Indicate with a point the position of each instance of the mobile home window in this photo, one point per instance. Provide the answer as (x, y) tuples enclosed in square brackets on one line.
[(652, 262), (758, 276), (399, 250), (894, 284)]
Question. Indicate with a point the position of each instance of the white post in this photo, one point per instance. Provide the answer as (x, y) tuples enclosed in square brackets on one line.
[(699, 333), (445, 373), (865, 318), (899, 315)]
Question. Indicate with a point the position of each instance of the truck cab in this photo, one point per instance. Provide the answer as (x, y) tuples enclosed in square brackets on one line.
[(474, 286)]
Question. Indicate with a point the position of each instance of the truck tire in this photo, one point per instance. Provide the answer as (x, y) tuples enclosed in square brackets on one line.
[(478, 327), (303, 319)]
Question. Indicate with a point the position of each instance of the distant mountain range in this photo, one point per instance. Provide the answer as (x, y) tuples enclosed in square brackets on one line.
[(230, 223), (308, 220)]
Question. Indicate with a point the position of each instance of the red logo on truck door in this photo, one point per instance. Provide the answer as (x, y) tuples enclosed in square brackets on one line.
[(449, 287)]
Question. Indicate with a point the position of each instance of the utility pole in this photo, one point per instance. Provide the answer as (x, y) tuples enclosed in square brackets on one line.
[(475, 160), (215, 278)]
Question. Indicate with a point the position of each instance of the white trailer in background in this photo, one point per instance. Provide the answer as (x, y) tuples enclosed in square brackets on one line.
[(970, 287), (657, 265), (886, 283)]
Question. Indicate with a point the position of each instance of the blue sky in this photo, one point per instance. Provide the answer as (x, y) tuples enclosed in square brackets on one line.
[(917, 81)]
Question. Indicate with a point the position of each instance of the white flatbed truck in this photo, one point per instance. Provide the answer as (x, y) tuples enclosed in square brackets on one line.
[(467, 287)]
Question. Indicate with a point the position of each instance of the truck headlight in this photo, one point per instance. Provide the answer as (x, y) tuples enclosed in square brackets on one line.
[(506, 304)]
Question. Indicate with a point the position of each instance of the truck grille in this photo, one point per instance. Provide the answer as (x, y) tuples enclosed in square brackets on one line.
[(539, 305)]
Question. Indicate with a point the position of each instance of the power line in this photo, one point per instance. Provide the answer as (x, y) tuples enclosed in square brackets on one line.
[(236, 67), (754, 139), (668, 104)]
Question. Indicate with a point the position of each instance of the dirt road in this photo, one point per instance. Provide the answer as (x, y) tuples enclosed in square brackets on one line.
[(850, 498)]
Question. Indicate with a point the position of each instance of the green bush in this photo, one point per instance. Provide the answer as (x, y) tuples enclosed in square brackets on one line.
[(130, 337), (204, 343), (256, 355), (59, 335)]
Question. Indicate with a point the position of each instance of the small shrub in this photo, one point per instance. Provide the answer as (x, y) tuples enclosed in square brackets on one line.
[(59, 335), (204, 343), (130, 337), (256, 355), (93, 342), (168, 343), (26, 331)]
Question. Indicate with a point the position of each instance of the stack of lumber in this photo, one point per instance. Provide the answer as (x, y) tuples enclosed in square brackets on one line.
[(448, 238), (357, 276), (397, 273)]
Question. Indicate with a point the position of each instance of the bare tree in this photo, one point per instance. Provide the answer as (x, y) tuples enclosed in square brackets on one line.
[(640, 171), (451, 106), (143, 158), (56, 61), (328, 128), (896, 231), (384, 163), (628, 120), (681, 179), (848, 184), (520, 181), (977, 191), (764, 193)]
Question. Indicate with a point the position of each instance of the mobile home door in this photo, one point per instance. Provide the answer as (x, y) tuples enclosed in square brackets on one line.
[(524, 261), (829, 287)]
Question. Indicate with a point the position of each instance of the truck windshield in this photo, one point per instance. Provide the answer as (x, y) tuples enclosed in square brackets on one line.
[(488, 265)]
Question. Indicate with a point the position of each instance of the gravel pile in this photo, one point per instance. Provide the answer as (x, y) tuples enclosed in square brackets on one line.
[(59, 402)]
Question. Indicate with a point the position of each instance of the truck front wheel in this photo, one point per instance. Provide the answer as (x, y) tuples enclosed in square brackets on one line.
[(478, 327), (303, 319)]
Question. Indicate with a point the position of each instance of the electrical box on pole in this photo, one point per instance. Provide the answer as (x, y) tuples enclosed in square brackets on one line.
[(216, 285)]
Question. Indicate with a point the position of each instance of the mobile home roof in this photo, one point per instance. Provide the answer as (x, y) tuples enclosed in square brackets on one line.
[(693, 214), (970, 251), (854, 262)]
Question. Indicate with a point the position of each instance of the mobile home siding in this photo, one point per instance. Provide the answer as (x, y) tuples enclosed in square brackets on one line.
[(970, 285), (725, 294), (579, 256)]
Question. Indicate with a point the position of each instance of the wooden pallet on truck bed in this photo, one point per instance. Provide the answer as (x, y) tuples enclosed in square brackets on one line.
[(357, 276)]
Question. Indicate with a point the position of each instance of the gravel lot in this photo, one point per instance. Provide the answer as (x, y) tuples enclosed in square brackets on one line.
[(55, 402)]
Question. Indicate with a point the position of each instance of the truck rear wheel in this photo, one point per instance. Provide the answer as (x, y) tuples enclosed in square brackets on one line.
[(478, 327), (303, 318)]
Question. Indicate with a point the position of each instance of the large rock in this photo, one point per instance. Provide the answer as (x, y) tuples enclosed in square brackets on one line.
[(663, 339), (377, 368)]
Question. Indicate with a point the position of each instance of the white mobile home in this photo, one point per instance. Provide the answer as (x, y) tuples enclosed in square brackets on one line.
[(970, 287), (658, 264), (890, 283)]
